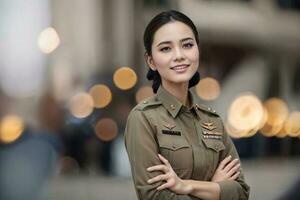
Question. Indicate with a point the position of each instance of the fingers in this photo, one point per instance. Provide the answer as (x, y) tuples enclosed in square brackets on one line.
[(230, 165), (224, 162), (168, 184), (235, 176), (158, 178), (165, 161), (234, 169), (163, 168)]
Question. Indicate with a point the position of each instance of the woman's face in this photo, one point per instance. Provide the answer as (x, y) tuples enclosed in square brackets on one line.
[(175, 53)]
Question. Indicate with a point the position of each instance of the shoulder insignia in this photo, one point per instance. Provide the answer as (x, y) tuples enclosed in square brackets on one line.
[(147, 103), (206, 109)]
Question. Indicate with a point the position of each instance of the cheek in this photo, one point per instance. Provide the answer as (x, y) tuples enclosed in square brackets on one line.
[(161, 61), (194, 56)]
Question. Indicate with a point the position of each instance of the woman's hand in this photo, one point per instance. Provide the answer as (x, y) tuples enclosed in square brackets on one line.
[(173, 182), (227, 170)]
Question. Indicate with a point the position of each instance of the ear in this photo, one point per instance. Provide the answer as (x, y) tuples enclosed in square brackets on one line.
[(149, 61)]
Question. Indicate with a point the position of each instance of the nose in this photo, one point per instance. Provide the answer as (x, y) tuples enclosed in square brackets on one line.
[(178, 54)]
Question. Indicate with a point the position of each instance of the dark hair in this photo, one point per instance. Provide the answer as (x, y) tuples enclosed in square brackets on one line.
[(157, 22)]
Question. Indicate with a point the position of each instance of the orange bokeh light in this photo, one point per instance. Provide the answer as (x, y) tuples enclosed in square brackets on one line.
[(101, 95), (106, 129)]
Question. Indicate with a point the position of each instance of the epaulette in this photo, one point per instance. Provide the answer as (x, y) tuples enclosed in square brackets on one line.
[(207, 109), (148, 103)]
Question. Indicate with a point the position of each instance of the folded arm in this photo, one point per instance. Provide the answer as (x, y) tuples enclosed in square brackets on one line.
[(142, 149)]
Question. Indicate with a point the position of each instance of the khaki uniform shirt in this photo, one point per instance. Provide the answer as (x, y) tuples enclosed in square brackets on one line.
[(192, 139)]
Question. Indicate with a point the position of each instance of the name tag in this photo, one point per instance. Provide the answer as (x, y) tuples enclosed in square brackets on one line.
[(169, 132)]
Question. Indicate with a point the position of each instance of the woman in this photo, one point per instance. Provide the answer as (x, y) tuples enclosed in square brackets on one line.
[(178, 149)]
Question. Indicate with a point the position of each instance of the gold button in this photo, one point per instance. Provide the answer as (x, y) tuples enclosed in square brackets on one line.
[(145, 102), (172, 107), (208, 108)]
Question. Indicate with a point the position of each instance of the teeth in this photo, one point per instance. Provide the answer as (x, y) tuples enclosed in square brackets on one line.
[(180, 67)]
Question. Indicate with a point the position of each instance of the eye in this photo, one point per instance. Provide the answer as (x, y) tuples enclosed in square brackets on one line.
[(188, 45), (165, 49)]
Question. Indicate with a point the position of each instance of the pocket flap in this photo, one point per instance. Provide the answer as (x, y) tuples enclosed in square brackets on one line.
[(214, 145), (174, 144)]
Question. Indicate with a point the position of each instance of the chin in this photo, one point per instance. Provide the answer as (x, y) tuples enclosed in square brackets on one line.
[(181, 80), (183, 77)]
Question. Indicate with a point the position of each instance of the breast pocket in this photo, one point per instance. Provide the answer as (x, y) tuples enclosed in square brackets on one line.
[(213, 148), (177, 151), (214, 145)]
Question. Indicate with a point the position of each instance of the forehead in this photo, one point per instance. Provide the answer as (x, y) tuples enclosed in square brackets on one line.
[(173, 31)]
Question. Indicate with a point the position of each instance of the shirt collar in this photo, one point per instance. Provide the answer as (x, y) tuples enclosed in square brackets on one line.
[(171, 103)]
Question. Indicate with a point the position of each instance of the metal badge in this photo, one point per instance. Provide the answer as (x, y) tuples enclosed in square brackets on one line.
[(208, 125), (209, 133), (169, 126)]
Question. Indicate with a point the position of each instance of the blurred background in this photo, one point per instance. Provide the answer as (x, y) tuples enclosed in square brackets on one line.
[(71, 71)]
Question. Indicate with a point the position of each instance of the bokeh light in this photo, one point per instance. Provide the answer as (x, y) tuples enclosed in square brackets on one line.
[(143, 93), (208, 88), (101, 95), (48, 40), (231, 131), (264, 118), (106, 129), (292, 124), (277, 110), (282, 133), (11, 128), (245, 115), (277, 114), (81, 105), (270, 130), (125, 78)]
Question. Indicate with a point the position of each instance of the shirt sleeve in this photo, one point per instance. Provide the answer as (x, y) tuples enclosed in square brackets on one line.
[(142, 150), (237, 189)]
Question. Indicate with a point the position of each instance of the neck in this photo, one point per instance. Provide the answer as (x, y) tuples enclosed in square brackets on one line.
[(179, 90)]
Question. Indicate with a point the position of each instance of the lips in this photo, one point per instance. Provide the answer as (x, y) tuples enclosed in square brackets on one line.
[(180, 68)]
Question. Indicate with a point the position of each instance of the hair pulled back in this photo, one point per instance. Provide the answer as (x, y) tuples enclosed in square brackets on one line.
[(157, 22)]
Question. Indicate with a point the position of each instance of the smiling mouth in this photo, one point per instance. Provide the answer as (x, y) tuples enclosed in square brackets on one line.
[(180, 67)]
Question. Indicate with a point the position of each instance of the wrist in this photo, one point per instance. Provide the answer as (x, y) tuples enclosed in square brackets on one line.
[(188, 186)]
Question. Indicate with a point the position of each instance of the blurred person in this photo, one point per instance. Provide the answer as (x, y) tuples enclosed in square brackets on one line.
[(27, 164), (26, 167), (51, 120), (176, 148)]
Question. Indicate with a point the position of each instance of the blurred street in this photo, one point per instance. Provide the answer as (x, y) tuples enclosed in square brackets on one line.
[(268, 181)]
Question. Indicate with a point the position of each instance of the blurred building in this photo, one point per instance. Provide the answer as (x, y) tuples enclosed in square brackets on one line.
[(71, 71)]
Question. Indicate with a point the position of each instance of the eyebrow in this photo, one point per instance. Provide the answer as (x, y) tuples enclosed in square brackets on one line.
[(168, 42)]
